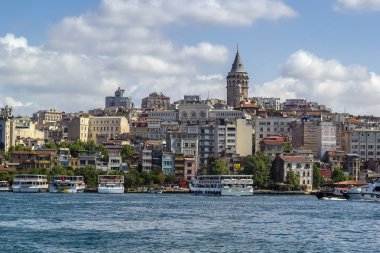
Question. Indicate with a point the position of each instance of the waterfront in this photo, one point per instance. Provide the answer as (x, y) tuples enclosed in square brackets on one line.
[(185, 223)]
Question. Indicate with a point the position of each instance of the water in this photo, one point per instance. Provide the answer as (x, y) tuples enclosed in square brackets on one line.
[(185, 223)]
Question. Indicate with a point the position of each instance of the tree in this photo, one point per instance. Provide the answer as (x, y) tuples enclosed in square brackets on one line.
[(258, 165), (218, 167), (90, 175), (318, 179), (293, 179), (126, 152), (287, 147), (338, 175)]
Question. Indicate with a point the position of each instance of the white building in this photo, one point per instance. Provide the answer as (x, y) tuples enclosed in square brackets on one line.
[(326, 138), (7, 128)]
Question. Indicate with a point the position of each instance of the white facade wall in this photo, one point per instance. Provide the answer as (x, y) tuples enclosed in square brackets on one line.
[(326, 138)]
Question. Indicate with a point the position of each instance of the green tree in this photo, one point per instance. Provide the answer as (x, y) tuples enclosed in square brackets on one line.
[(287, 147), (90, 175), (218, 167), (293, 179), (126, 152), (338, 175), (258, 165), (318, 179)]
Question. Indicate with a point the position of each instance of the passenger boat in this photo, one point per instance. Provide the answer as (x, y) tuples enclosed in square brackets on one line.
[(370, 191), (66, 184), (223, 185), (4, 186), (110, 184), (30, 183)]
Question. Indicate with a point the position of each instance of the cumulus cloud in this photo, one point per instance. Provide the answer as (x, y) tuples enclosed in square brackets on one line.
[(124, 43), (343, 87), (357, 5)]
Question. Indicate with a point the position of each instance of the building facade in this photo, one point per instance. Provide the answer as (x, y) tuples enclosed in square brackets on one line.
[(119, 100)]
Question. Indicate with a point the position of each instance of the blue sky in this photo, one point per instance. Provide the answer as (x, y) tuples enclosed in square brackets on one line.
[(71, 54)]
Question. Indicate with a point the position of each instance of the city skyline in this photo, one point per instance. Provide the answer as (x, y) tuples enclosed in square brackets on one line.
[(70, 55)]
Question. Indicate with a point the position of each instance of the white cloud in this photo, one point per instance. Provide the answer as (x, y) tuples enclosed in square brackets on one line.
[(125, 43), (352, 88), (357, 5)]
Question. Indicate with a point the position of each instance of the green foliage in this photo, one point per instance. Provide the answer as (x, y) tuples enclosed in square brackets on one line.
[(78, 146), (7, 176), (126, 152), (293, 179), (287, 147), (218, 167), (338, 175), (90, 175), (258, 165), (59, 170), (318, 179)]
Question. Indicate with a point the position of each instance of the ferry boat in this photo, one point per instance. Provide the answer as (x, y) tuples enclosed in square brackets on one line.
[(66, 184), (110, 184), (30, 183), (223, 185), (4, 186), (367, 192)]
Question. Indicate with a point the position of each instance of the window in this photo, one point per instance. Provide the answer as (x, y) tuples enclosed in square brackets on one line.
[(189, 172)]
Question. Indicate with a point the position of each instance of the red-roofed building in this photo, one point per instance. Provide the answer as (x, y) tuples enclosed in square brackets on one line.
[(273, 145)]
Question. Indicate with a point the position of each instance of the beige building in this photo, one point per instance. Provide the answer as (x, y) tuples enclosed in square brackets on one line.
[(51, 115), (107, 126), (28, 131), (364, 142), (78, 128)]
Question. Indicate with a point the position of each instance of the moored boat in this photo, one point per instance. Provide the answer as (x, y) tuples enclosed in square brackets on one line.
[(370, 191), (110, 184), (4, 186), (30, 183), (223, 185), (66, 184)]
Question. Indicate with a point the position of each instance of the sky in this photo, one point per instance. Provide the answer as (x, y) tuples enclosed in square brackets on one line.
[(69, 55)]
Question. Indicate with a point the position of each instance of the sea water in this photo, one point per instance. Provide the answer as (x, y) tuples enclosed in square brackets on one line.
[(90, 222)]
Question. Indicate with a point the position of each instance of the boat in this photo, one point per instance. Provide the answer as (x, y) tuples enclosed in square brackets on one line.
[(223, 185), (66, 184), (370, 191), (4, 186), (332, 193), (30, 183), (110, 184)]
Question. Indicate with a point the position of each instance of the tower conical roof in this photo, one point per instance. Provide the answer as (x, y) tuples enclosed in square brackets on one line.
[(237, 66)]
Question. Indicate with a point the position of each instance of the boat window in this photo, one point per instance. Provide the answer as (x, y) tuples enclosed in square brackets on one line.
[(377, 189)]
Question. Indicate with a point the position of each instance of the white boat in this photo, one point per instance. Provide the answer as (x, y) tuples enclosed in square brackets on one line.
[(4, 186), (66, 184), (110, 184), (30, 183), (367, 192), (224, 185)]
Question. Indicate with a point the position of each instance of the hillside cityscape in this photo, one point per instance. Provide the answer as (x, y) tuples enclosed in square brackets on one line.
[(174, 141)]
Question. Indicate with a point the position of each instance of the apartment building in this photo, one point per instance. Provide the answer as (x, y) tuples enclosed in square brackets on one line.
[(107, 126), (364, 142), (265, 127)]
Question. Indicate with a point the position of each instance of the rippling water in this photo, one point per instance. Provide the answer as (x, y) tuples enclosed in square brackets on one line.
[(185, 223)]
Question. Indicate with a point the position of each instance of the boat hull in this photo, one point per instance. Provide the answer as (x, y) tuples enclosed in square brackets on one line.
[(222, 192), (65, 190), (4, 189), (363, 196), (28, 189), (110, 190)]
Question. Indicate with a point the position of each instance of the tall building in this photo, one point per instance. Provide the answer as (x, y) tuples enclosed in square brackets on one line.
[(119, 100), (7, 128), (237, 83)]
